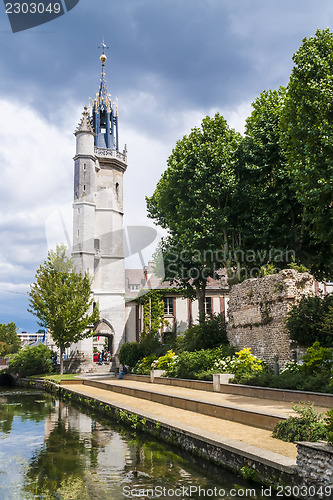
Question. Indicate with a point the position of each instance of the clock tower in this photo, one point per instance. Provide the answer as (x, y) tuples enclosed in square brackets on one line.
[(99, 167)]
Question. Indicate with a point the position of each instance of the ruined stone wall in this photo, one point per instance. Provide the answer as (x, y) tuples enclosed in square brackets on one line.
[(257, 310)]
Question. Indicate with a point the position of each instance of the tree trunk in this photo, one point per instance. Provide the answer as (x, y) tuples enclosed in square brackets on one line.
[(201, 294), (61, 360)]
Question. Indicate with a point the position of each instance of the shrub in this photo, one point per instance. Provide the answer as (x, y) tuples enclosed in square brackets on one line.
[(313, 375), (144, 366), (308, 426), (291, 368), (226, 364), (212, 333), (317, 359), (130, 354), (165, 362), (198, 364), (9, 340), (329, 426), (246, 365), (32, 361), (268, 269), (292, 381), (309, 320)]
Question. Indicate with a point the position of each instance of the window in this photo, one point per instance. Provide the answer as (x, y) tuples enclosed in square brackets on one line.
[(168, 306), (134, 288), (208, 306), (96, 244)]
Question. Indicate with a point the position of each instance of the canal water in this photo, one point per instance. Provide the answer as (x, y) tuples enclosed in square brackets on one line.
[(51, 450)]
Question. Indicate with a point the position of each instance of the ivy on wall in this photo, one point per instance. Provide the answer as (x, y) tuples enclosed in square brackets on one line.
[(153, 310)]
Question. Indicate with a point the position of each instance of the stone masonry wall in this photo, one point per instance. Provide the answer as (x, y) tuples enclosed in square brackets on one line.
[(257, 310), (315, 465)]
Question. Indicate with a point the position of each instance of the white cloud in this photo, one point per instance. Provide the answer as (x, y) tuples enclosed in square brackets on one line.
[(36, 177)]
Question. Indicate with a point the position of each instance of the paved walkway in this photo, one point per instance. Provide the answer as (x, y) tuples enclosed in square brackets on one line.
[(252, 439), (251, 403)]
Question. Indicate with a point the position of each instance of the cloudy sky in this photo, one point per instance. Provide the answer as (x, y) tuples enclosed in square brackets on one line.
[(170, 63)]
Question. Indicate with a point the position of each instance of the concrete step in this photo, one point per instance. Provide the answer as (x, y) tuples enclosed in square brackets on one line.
[(257, 418)]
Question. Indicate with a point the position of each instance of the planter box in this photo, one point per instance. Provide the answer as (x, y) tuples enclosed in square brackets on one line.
[(221, 379), (156, 373)]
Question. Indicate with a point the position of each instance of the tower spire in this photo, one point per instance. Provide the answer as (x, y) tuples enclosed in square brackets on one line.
[(105, 121)]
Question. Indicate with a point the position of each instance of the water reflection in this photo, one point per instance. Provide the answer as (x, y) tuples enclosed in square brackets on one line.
[(53, 451)]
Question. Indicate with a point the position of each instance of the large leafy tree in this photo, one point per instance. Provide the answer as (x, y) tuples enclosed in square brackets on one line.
[(9, 340), (308, 132), (193, 199), (311, 321), (61, 299), (272, 218)]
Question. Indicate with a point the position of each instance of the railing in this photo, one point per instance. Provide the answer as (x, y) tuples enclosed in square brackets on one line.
[(111, 153)]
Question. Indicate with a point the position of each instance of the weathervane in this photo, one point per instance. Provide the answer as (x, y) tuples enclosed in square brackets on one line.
[(103, 46), (103, 57)]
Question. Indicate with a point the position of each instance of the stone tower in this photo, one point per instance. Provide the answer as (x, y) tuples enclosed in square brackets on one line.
[(99, 167)]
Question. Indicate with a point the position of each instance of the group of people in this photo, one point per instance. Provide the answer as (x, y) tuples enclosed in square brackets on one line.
[(104, 357)]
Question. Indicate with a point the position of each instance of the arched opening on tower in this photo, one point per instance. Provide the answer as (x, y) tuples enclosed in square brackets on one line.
[(104, 331)]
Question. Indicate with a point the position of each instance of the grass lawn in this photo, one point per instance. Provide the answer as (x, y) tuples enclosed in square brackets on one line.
[(55, 377)]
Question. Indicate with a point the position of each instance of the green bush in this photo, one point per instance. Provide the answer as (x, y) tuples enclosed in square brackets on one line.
[(292, 381), (329, 426), (9, 340), (198, 364), (144, 366), (313, 375), (165, 362), (308, 426), (317, 359), (212, 333), (309, 321), (130, 354), (32, 361), (248, 363)]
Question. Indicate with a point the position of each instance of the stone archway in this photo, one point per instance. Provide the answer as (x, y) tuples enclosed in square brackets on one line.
[(104, 329)]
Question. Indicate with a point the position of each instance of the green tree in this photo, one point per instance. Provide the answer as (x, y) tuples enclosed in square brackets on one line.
[(272, 219), (208, 335), (309, 320), (33, 360), (61, 299), (308, 133), (9, 340), (192, 200)]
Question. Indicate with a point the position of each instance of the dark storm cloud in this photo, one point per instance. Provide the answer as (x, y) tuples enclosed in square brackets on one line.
[(201, 52)]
